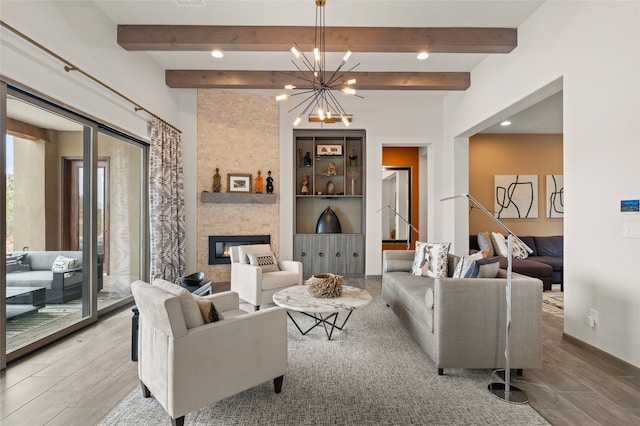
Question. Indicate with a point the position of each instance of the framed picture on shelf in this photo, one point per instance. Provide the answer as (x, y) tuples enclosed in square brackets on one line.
[(238, 182), (322, 150)]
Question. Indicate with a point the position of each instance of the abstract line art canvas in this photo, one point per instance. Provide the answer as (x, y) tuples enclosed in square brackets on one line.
[(555, 196), (516, 196)]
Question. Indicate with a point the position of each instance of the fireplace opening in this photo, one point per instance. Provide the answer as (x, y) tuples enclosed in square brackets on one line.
[(220, 246)]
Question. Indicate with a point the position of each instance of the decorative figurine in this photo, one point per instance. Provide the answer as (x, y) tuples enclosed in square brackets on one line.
[(258, 187), (307, 159), (269, 183), (353, 158), (331, 188), (216, 181), (304, 189), (353, 175), (331, 170)]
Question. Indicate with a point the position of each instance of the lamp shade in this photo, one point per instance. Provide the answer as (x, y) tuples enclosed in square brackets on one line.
[(328, 223)]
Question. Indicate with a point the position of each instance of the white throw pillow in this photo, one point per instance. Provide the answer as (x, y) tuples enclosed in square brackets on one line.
[(484, 242), (499, 244), (266, 261), (420, 259), (63, 264)]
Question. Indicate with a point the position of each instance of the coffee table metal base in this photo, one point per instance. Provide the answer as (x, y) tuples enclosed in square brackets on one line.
[(324, 311), (324, 320)]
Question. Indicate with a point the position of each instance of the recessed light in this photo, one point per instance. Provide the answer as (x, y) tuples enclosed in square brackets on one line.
[(216, 54), (423, 55), (200, 3), (505, 123)]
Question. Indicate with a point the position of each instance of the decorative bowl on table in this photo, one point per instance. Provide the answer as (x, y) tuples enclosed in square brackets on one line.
[(325, 285), (192, 280)]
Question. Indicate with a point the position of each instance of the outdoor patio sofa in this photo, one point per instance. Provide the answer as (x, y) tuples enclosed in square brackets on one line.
[(34, 269)]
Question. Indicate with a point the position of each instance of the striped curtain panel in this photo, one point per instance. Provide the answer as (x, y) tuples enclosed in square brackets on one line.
[(166, 201)]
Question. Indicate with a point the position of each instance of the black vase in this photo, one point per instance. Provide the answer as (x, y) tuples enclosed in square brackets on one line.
[(328, 223)]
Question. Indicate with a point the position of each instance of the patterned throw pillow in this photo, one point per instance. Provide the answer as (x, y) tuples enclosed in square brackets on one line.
[(438, 261), (63, 264), (519, 252), (466, 267), (420, 259), (208, 310), (266, 261)]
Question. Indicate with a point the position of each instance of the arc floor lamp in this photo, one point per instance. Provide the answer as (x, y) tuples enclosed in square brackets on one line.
[(504, 390)]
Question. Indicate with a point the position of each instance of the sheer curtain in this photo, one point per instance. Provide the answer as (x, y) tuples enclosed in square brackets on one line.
[(166, 199)]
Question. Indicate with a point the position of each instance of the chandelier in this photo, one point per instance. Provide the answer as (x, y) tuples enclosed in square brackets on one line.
[(318, 83)]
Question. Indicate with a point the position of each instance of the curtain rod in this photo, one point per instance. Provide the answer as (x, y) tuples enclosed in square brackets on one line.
[(71, 67)]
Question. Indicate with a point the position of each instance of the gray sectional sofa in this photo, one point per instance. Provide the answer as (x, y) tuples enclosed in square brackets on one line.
[(33, 269), (460, 322)]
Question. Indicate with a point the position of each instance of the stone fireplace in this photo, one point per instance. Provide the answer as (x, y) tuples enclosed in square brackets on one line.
[(234, 144)]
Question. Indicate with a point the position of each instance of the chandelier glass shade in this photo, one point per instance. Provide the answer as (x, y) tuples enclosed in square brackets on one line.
[(317, 84)]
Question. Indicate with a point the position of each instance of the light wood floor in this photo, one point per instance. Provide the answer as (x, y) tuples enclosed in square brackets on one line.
[(79, 379)]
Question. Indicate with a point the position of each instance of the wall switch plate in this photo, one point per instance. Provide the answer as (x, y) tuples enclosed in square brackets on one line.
[(593, 318), (631, 230)]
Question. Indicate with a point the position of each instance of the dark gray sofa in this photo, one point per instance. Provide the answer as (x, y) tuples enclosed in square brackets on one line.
[(545, 263)]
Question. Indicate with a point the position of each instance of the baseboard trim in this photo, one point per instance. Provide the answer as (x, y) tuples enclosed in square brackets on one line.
[(588, 347)]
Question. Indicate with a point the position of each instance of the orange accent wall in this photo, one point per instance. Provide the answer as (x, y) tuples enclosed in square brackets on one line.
[(405, 157), (505, 154)]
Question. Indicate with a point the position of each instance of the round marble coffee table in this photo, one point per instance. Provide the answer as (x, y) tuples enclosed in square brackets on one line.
[(323, 310)]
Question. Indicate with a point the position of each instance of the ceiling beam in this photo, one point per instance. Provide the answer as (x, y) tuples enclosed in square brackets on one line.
[(23, 130), (212, 79), (338, 39)]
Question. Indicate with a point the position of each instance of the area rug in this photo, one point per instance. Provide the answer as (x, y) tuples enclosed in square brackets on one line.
[(371, 373), (553, 303)]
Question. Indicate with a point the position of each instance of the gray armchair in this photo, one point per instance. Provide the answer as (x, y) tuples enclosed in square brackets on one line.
[(253, 283), (185, 368)]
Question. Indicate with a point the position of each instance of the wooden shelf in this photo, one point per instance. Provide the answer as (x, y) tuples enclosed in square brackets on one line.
[(237, 198)]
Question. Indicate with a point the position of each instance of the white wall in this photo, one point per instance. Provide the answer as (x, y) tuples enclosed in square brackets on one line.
[(80, 33), (593, 50)]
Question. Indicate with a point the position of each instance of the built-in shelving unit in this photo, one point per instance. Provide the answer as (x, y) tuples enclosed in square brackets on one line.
[(332, 162)]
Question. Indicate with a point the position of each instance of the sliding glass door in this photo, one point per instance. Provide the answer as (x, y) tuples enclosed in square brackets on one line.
[(74, 228), (45, 281), (120, 212)]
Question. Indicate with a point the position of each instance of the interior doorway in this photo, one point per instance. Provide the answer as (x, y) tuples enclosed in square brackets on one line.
[(406, 158)]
